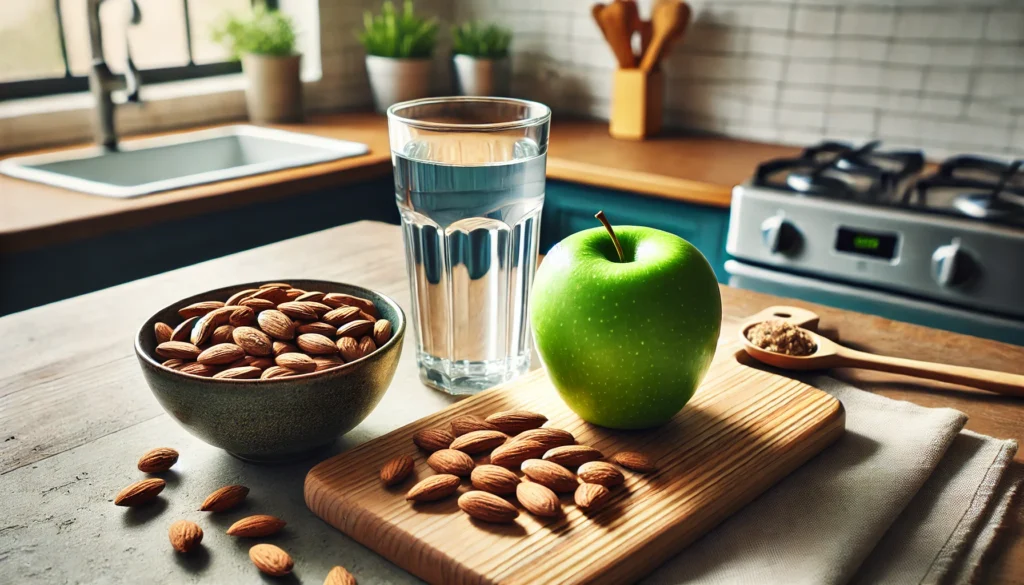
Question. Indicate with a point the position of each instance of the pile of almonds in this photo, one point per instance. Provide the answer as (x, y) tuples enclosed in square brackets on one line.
[(272, 331), (186, 535), (503, 443)]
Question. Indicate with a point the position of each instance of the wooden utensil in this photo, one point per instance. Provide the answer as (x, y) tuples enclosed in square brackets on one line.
[(633, 23), (613, 21), (830, 354), (668, 21)]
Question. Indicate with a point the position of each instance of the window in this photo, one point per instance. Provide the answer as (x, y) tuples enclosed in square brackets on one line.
[(44, 44)]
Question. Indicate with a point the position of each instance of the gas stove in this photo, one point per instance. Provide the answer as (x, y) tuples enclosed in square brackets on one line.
[(886, 224)]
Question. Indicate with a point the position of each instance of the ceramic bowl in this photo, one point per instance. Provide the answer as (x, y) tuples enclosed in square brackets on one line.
[(280, 419)]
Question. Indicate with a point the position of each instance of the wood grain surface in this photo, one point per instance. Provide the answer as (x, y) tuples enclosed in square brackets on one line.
[(743, 430)]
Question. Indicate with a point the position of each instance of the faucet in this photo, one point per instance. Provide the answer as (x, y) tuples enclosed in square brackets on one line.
[(102, 82)]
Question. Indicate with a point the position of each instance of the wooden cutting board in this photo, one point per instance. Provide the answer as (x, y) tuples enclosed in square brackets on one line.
[(743, 431)]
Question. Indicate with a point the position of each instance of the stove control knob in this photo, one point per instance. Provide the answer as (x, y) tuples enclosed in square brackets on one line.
[(780, 236), (952, 266)]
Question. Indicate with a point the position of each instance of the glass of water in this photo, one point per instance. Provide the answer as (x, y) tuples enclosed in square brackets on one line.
[(469, 183)]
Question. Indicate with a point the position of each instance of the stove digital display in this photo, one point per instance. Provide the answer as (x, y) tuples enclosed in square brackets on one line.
[(865, 243)]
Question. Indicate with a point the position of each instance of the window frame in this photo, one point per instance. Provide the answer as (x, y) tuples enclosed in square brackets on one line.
[(68, 83)]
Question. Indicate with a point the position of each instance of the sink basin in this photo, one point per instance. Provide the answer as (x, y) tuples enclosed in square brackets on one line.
[(151, 165)]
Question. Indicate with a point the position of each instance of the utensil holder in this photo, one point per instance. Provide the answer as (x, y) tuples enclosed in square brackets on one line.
[(637, 97)]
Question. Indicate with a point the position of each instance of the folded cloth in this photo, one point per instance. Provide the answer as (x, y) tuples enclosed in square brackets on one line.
[(846, 514)]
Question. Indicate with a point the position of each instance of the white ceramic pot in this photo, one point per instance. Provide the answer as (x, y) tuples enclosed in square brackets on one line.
[(397, 80), (487, 77), (274, 89)]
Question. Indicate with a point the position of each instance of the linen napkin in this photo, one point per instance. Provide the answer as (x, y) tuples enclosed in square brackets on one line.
[(903, 497)]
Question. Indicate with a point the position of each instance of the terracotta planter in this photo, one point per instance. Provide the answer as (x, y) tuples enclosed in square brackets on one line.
[(397, 80), (274, 90), (481, 77)]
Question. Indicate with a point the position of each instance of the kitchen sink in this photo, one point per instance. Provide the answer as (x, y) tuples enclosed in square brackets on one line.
[(150, 165)]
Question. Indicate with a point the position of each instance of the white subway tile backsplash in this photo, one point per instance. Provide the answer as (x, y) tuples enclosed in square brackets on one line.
[(937, 24), (766, 17), (855, 75), (901, 78), (802, 96), (947, 82), (858, 49), (867, 23), (815, 20), (1001, 56), (768, 43), (803, 118), (1005, 25), (839, 122), (808, 72), (812, 48)]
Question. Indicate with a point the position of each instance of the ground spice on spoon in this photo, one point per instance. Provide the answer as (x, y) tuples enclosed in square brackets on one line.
[(780, 336)]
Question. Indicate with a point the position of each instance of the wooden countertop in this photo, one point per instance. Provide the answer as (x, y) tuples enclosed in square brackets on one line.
[(76, 414), (698, 169)]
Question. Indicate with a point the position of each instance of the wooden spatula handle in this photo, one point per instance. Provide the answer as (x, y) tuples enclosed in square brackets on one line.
[(998, 382)]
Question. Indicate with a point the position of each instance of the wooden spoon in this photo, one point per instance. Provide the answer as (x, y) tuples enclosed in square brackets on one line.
[(634, 24), (829, 354), (668, 21), (613, 20)]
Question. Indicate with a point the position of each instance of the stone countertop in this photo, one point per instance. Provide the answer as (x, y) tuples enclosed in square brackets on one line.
[(76, 414)]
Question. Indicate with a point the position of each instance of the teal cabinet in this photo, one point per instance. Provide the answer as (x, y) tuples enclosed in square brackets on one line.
[(569, 208)]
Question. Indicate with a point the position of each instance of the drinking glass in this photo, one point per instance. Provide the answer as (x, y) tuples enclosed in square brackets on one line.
[(469, 183)]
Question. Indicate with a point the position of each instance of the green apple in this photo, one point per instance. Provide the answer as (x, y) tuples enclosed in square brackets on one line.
[(626, 342)]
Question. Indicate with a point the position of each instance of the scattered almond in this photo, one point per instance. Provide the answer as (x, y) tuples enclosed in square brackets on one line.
[(513, 422), (242, 316), (178, 349), (349, 349), (173, 363), (205, 326), (222, 334), (339, 576), (185, 535), (298, 311), (601, 473), (256, 526), (298, 362), (469, 423), (494, 479), (367, 317), (198, 369), (199, 309), (280, 347), (546, 436), (434, 488), (140, 492), (240, 373), (573, 455), (276, 372), (157, 460), (478, 441), (225, 498), (163, 332), (431, 440), (254, 361), (326, 362), (271, 560), (381, 332), (276, 324), (340, 316), (634, 461), (515, 452), (452, 462), (258, 305), (320, 327), (366, 345), (221, 354), (313, 296), (396, 470), (253, 341), (550, 474), (340, 300), (238, 296), (183, 332), (275, 295), (316, 344), (487, 507), (357, 328), (538, 500), (591, 496)]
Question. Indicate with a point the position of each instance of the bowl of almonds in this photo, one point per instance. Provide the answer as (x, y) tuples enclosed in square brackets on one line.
[(270, 371)]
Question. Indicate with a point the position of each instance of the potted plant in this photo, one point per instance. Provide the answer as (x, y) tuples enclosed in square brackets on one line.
[(481, 59), (398, 49), (264, 40)]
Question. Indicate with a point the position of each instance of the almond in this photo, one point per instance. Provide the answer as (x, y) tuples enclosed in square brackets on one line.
[(381, 332), (199, 309), (469, 423), (601, 473), (163, 332), (367, 317), (538, 499), (242, 316), (316, 344), (339, 576), (256, 526), (513, 422), (297, 362), (253, 341), (487, 507), (222, 334), (173, 363), (240, 373), (276, 324), (283, 285), (451, 461), (340, 316), (313, 296), (271, 560), (258, 305), (182, 350), (494, 479), (224, 498), (397, 470), (326, 362), (221, 354), (513, 453), (198, 369), (183, 332), (549, 437), (254, 361), (325, 329), (276, 372), (157, 460), (572, 455), (348, 347), (478, 441), (431, 440), (275, 295), (280, 347), (591, 496), (238, 296), (298, 311), (357, 328), (204, 327), (550, 474), (343, 300), (434, 488), (634, 461), (293, 294), (185, 535), (366, 345), (140, 492)]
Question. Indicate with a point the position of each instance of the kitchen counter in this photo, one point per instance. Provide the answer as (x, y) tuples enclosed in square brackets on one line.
[(76, 414), (697, 169)]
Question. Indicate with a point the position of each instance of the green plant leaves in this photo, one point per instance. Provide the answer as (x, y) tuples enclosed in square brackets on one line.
[(261, 32), (400, 36), (485, 41)]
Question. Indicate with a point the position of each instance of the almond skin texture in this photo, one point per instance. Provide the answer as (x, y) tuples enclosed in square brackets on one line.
[(513, 422), (242, 316), (340, 316), (634, 461), (470, 423), (313, 296), (349, 349), (256, 526), (199, 309), (276, 324), (280, 347), (299, 311), (274, 294), (538, 500), (221, 354), (478, 441), (573, 455), (431, 440), (239, 373), (494, 479), (550, 474), (513, 453), (271, 560), (238, 296), (433, 488), (163, 332), (282, 285), (140, 492), (325, 329), (225, 498), (339, 576), (258, 305), (276, 372), (326, 362), (547, 436), (397, 470), (182, 350), (158, 460), (298, 362), (173, 363), (209, 322), (253, 341), (185, 535), (591, 496), (381, 332), (316, 344), (487, 507), (343, 300), (183, 331), (366, 345), (451, 461), (357, 328), (600, 473), (198, 369), (222, 334)]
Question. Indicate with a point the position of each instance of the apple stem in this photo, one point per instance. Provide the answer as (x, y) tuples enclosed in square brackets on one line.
[(615, 239)]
